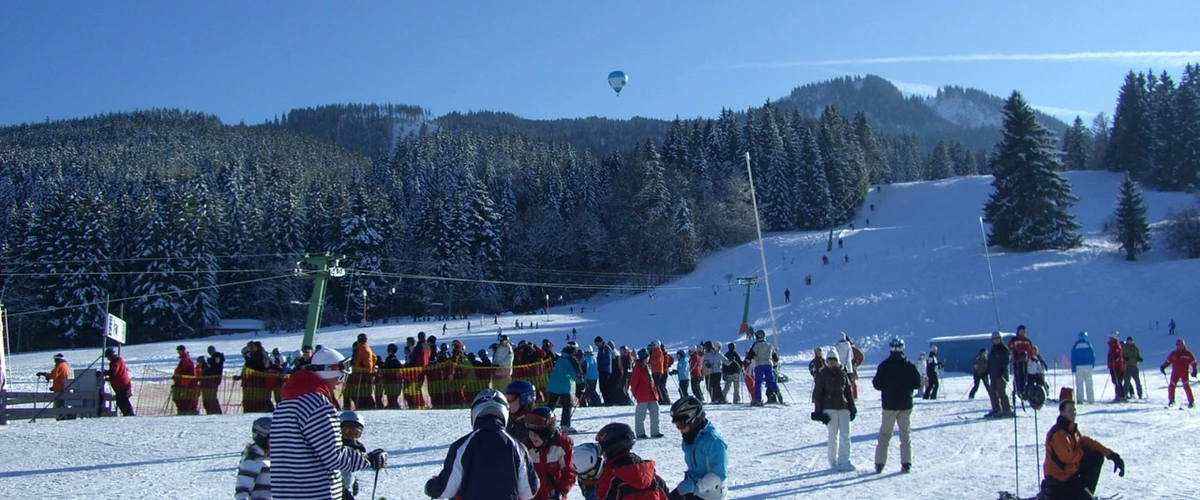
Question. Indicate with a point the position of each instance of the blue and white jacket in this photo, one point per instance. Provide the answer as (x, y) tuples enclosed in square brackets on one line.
[(705, 459), (307, 455), (590, 370), (485, 464), (1082, 354)]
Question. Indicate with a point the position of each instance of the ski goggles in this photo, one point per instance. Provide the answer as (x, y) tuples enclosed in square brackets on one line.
[(535, 421), (345, 368), (351, 432)]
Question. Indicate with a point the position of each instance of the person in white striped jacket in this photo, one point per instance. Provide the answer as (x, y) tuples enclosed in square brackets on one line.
[(254, 473), (306, 452)]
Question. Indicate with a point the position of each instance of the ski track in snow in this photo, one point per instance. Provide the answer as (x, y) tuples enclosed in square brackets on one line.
[(917, 272)]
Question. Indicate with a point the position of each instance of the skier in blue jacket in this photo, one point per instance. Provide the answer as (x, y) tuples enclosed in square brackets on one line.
[(559, 390), (684, 370), (1082, 359), (704, 453), (604, 357)]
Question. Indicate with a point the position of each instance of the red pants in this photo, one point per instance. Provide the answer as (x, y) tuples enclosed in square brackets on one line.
[(1187, 387)]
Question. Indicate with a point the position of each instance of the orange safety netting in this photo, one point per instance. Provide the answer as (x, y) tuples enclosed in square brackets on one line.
[(443, 385)]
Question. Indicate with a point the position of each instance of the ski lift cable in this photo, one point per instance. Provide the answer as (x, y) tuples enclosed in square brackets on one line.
[(160, 294)]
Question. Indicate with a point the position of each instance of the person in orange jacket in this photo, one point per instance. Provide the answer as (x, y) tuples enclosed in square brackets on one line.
[(658, 368), (1073, 461), (364, 372), (58, 380), (1180, 360)]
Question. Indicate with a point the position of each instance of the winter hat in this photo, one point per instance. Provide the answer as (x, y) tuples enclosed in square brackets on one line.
[(392, 348), (1129, 339), (60, 357), (832, 354), (732, 347), (933, 349), (1020, 328), (110, 352), (1083, 335), (708, 344), (178, 348), (643, 354), (996, 334), (680, 354), (598, 339)]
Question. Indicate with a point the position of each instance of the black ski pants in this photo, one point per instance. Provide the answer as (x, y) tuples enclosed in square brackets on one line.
[(123, 403), (1082, 485), (553, 399), (975, 388)]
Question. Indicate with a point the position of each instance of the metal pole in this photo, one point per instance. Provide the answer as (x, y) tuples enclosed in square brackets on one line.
[(991, 276), (762, 252)]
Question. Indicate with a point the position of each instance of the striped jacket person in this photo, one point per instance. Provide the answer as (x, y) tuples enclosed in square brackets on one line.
[(306, 452)]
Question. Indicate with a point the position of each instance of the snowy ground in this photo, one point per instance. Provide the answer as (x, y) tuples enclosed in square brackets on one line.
[(916, 272), (774, 452)]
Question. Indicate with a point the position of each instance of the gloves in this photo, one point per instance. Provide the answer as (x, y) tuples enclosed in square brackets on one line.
[(378, 458), (1193, 373), (1118, 464), (853, 413), (819, 416), (1163, 370), (43, 375)]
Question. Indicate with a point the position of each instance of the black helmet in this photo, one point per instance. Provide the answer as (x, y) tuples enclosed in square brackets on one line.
[(541, 421), (897, 345), (688, 410), (110, 352), (392, 348), (615, 439)]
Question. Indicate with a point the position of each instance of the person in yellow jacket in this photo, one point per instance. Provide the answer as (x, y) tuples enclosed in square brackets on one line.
[(362, 378), (1073, 461), (58, 379)]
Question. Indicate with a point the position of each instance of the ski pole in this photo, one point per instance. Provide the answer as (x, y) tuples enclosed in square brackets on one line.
[(376, 485)]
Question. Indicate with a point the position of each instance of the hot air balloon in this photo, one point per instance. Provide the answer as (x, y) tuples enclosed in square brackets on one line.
[(618, 79)]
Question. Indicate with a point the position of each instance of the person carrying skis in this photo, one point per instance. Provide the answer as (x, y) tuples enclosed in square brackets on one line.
[(306, 456), (932, 365), (835, 408), (1073, 461), (846, 354), (896, 379), (998, 361), (1133, 356), (646, 395), (1083, 358), (979, 370), (487, 462), (1179, 360), (551, 451), (1020, 347), (764, 357), (1116, 367), (704, 453), (625, 475), (254, 472)]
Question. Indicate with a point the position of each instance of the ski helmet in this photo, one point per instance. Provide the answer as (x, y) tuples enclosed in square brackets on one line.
[(522, 389), (261, 431), (897, 345), (351, 418), (587, 460), (489, 402), (1036, 395), (541, 421), (328, 363), (687, 410), (615, 439), (760, 334)]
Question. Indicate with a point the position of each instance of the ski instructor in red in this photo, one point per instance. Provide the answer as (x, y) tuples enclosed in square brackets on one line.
[(1180, 360)]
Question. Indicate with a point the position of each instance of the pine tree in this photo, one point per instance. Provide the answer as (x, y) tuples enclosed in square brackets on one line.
[(1100, 133), (1187, 130), (1130, 142), (941, 166), (775, 178), (815, 206), (685, 239), (1030, 207), (1164, 167), (1131, 231), (1076, 146)]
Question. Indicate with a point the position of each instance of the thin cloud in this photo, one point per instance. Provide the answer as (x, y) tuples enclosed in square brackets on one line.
[(1154, 58)]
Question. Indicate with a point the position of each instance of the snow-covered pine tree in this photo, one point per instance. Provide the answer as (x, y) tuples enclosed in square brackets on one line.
[(1187, 129), (1131, 231), (869, 144), (1029, 208), (1100, 132), (941, 166), (1076, 146), (1129, 145), (774, 176), (1164, 166), (685, 239), (814, 208)]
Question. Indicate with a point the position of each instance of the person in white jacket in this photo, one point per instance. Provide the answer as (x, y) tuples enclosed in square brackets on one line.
[(503, 358)]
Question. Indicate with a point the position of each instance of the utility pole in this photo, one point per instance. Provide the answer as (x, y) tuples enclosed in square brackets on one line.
[(747, 282), (320, 275), (364, 318)]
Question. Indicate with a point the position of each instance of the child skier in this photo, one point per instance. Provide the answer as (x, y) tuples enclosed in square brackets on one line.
[(625, 475), (550, 449), (352, 430), (587, 460), (254, 473)]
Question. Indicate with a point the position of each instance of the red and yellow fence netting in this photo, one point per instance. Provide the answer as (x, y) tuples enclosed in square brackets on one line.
[(443, 385)]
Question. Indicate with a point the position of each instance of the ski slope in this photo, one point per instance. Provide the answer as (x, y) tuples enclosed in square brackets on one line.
[(917, 271)]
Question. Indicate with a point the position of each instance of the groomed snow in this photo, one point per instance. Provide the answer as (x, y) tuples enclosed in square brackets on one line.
[(916, 272)]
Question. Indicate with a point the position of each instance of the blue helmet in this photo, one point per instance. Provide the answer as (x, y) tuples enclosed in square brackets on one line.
[(523, 389), (1082, 335)]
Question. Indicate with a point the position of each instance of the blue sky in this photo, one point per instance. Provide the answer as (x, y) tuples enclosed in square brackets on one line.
[(249, 61)]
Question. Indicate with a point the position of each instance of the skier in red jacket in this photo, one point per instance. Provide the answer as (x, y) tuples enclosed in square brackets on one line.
[(1180, 360), (118, 376), (1116, 365), (1022, 350)]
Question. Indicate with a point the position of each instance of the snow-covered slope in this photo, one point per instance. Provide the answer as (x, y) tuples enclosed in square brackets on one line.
[(917, 271)]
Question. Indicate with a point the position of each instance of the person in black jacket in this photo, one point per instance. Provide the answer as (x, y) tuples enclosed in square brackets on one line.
[(979, 368), (732, 374), (896, 379), (835, 408), (486, 463), (998, 360)]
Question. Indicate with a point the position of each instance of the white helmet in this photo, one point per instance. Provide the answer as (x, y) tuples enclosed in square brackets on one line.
[(587, 460), (489, 402), (328, 363), (351, 418)]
